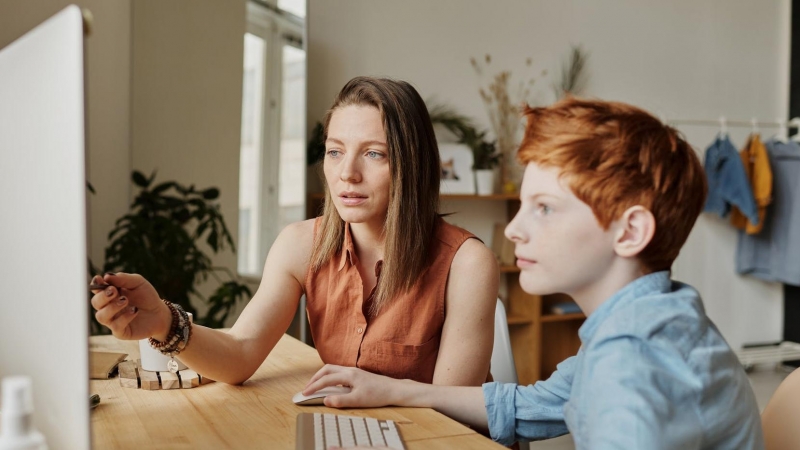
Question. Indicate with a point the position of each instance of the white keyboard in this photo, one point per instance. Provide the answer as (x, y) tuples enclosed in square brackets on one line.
[(316, 431)]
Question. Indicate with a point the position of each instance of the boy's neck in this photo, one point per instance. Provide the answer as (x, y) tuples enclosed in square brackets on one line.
[(621, 273)]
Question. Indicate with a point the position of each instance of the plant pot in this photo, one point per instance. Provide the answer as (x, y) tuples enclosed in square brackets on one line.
[(484, 181)]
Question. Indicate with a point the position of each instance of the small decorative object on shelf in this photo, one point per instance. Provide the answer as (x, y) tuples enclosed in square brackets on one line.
[(484, 153), (457, 175), (503, 108), (484, 181)]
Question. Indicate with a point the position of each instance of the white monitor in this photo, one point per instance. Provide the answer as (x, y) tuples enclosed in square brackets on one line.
[(43, 257)]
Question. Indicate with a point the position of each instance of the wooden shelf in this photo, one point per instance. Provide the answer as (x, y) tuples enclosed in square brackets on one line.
[(518, 320), (509, 269), (562, 317)]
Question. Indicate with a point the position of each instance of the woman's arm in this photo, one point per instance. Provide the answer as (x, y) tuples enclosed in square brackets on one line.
[(233, 356), (465, 350)]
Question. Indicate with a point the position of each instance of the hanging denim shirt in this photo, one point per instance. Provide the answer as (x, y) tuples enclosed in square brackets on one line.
[(653, 372), (727, 181), (774, 254)]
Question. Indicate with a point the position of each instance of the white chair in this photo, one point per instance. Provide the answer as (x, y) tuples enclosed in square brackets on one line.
[(503, 368)]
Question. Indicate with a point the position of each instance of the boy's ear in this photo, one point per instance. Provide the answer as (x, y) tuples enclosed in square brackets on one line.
[(635, 229)]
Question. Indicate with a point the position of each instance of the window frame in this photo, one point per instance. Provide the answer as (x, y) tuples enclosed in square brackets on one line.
[(277, 28)]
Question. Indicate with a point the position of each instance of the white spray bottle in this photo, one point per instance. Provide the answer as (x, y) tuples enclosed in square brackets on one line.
[(17, 431)]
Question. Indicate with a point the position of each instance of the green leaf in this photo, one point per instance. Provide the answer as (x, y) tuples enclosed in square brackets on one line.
[(139, 179), (211, 193)]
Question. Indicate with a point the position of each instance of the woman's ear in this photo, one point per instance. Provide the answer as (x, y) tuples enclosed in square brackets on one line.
[(635, 228)]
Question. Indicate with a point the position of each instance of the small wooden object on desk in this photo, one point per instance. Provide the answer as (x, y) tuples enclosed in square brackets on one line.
[(103, 364), (131, 375)]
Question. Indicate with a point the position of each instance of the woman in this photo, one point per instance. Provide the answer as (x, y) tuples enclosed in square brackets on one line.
[(391, 287)]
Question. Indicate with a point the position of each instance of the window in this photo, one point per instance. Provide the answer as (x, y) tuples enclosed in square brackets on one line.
[(272, 155)]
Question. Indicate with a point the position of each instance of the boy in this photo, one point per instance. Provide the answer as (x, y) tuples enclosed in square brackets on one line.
[(608, 198)]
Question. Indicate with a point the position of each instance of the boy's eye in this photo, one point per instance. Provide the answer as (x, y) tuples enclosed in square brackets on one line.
[(543, 209)]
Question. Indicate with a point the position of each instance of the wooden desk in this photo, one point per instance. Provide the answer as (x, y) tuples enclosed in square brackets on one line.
[(258, 414)]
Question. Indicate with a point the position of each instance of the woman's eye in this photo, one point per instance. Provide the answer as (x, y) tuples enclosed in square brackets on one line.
[(333, 153), (374, 154)]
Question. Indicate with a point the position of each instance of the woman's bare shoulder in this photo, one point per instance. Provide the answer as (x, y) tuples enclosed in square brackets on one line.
[(292, 249)]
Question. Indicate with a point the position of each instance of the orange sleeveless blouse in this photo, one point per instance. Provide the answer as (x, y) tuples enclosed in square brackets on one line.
[(402, 340)]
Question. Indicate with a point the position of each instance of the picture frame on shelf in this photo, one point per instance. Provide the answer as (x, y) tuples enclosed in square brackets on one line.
[(457, 161)]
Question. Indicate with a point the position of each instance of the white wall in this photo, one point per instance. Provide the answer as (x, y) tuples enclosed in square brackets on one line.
[(108, 101), (187, 99), (680, 59)]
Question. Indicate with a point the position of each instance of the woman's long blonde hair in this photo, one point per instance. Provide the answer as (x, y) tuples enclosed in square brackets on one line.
[(413, 189)]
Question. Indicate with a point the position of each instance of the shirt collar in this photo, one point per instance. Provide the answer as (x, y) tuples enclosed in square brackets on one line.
[(348, 251), (656, 282)]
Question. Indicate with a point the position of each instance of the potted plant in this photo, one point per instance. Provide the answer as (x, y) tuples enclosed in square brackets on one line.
[(485, 155), (160, 239)]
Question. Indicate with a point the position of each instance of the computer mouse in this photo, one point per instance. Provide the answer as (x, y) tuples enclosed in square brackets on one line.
[(318, 397)]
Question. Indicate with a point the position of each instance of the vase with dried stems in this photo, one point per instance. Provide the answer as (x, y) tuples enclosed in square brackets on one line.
[(503, 107)]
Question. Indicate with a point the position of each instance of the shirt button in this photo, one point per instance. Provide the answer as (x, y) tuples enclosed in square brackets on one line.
[(360, 330)]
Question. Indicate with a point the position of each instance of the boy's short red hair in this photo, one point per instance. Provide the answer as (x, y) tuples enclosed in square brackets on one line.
[(617, 156)]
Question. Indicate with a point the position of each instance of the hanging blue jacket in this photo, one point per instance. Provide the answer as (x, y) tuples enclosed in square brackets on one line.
[(727, 181)]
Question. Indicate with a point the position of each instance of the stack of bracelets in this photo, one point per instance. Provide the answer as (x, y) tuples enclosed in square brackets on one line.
[(178, 338)]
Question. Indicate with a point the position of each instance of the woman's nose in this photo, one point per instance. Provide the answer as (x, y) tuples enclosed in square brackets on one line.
[(350, 171)]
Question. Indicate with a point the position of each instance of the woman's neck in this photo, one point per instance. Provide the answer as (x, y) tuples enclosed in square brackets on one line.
[(368, 241)]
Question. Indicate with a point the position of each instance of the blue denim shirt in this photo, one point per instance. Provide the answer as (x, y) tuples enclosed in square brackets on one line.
[(727, 181), (653, 372)]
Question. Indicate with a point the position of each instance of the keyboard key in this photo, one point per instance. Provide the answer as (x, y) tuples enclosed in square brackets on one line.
[(319, 441), (346, 431), (375, 433), (331, 431), (360, 430), (393, 436)]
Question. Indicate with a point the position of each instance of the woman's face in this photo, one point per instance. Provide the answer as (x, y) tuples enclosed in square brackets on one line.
[(357, 164)]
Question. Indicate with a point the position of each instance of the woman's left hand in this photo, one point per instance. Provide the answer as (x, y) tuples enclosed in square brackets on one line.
[(368, 390)]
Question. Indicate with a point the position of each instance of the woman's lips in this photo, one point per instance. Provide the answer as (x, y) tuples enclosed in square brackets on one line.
[(352, 198)]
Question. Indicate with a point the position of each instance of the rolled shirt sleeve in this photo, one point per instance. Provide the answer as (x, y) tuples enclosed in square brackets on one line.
[(531, 412)]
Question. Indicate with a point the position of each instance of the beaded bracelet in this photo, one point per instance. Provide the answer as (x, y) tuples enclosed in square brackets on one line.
[(178, 338)]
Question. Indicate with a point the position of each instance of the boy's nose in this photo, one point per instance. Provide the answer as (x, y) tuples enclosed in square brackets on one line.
[(513, 231)]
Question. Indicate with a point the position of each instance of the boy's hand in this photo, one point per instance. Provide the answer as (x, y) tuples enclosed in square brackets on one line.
[(368, 390)]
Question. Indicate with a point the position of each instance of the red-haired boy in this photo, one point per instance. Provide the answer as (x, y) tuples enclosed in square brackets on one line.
[(608, 198)]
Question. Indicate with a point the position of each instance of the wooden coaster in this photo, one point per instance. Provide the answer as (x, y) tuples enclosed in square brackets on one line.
[(131, 375)]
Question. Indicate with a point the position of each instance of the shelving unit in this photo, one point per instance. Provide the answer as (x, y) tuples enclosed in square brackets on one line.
[(540, 339)]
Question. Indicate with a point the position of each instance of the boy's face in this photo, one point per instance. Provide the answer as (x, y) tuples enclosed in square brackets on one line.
[(560, 246)]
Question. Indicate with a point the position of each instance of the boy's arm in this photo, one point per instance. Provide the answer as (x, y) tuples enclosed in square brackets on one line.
[(508, 411), (531, 412), (635, 395)]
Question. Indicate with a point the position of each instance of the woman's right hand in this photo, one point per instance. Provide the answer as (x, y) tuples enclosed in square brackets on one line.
[(130, 307)]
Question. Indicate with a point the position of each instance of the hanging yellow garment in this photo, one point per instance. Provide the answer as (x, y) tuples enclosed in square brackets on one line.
[(759, 174)]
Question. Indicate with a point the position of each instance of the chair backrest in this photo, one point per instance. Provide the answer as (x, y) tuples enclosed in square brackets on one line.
[(779, 419), (503, 368)]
